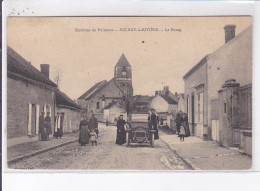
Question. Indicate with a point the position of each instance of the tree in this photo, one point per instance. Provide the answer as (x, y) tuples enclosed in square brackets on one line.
[(57, 76)]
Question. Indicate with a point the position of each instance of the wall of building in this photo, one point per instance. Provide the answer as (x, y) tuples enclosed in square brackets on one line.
[(19, 95), (71, 119), (172, 108), (181, 104), (110, 91), (82, 103), (113, 112), (159, 104), (197, 78), (233, 60)]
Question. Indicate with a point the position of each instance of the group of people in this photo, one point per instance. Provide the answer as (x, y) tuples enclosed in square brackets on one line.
[(45, 126), (88, 130), (182, 125)]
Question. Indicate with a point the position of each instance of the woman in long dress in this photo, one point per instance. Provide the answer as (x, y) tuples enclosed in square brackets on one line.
[(121, 133), (186, 125), (83, 132)]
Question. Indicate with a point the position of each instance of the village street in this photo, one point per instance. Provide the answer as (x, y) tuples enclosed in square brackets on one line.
[(105, 156)]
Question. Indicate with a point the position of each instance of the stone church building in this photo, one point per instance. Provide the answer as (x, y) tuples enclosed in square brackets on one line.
[(105, 92)]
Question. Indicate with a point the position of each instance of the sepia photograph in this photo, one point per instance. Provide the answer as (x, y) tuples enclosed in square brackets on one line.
[(129, 93)]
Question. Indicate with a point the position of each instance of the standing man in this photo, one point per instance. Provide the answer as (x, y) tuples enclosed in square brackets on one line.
[(48, 125), (93, 124), (153, 123), (121, 133), (42, 127)]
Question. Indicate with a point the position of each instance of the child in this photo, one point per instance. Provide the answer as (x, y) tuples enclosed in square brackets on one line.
[(93, 137), (182, 133)]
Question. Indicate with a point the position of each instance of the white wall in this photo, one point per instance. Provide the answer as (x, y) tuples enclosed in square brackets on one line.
[(159, 104), (232, 60)]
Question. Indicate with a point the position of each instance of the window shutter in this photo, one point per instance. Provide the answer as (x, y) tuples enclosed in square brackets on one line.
[(29, 128), (37, 118)]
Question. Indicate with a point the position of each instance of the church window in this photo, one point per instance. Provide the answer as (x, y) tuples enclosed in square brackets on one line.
[(98, 105)]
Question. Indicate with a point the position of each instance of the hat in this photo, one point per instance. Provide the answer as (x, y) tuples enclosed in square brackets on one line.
[(152, 110)]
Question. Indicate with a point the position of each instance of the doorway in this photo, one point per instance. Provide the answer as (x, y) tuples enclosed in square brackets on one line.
[(33, 118)]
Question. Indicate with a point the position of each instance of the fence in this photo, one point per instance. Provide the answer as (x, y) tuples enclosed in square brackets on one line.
[(244, 100)]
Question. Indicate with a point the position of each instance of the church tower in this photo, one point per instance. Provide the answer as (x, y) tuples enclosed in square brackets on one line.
[(123, 75)]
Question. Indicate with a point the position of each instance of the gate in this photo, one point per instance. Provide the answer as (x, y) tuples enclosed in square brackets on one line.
[(215, 119)]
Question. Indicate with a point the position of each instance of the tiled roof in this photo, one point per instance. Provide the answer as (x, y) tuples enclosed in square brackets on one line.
[(168, 99), (97, 87), (93, 89), (18, 65), (63, 100), (140, 98), (122, 62)]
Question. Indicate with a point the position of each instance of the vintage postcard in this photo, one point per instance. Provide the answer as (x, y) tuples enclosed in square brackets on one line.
[(129, 93)]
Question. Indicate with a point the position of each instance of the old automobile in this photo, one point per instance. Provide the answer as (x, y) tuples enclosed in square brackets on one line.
[(138, 131)]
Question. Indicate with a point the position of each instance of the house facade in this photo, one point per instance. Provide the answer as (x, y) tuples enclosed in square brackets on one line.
[(105, 92), (203, 103), (70, 110), (29, 92), (165, 107), (113, 110)]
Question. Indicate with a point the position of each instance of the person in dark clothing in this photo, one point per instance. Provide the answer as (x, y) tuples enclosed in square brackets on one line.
[(178, 121), (186, 124), (83, 132), (121, 132), (93, 124), (152, 120), (42, 128), (48, 125)]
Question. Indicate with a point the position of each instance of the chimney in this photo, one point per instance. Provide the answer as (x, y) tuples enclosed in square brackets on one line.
[(230, 32), (45, 69), (156, 93)]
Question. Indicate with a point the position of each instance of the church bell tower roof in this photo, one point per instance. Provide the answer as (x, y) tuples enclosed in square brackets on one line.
[(122, 62)]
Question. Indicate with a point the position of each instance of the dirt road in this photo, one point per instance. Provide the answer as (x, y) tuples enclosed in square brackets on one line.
[(106, 156)]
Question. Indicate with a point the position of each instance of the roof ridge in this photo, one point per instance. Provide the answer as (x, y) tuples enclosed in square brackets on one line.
[(19, 65)]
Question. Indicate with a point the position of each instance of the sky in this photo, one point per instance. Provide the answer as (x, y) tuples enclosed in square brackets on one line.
[(83, 58)]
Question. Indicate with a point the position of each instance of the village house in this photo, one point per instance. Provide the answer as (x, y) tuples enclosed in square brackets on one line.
[(165, 105), (225, 72), (70, 111), (103, 93), (113, 110), (29, 92), (181, 102)]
